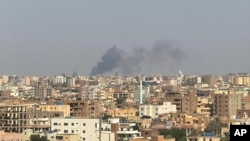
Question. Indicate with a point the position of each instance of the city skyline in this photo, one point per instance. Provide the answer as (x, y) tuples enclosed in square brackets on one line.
[(47, 38)]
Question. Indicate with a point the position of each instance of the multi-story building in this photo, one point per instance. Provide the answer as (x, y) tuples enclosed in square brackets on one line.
[(226, 103), (88, 129), (185, 101), (123, 131), (86, 108), (20, 117), (65, 109), (241, 80), (96, 93), (154, 110), (42, 91), (204, 106), (5, 79), (122, 113), (210, 79), (16, 118)]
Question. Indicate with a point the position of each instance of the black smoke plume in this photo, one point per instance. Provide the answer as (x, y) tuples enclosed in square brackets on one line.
[(129, 64), (109, 61)]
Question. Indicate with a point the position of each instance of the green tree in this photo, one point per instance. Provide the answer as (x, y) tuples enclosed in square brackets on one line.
[(120, 100), (105, 117), (227, 137), (176, 133), (214, 126), (183, 139), (38, 138), (195, 133)]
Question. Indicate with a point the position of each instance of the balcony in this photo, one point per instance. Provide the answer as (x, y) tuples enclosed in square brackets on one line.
[(128, 132)]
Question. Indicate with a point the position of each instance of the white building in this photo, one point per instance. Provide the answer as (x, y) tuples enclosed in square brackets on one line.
[(154, 110), (125, 131), (88, 129), (96, 93)]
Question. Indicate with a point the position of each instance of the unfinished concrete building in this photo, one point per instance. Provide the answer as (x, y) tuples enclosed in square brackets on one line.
[(17, 118)]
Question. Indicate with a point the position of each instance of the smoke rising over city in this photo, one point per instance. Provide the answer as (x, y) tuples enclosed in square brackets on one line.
[(109, 61), (131, 63)]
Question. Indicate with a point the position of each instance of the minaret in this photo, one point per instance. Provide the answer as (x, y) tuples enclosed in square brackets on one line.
[(140, 96)]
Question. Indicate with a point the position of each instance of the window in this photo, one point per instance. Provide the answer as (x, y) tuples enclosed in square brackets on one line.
[(84, 124), (83, 139), (55, 123), (59, 137), (83, 131), (72, 131), (66, 131), (65, 124), (72, 124)]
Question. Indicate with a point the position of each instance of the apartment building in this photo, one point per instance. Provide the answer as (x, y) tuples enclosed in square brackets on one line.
[(42, 91), (20, 117), (124, 131), (155, 110), (241, 80), (65, 109), (226, 103), (210, 79), (204, 106), (122, 113), (185, 101), (86, 108), (87, 129), (96, 93)]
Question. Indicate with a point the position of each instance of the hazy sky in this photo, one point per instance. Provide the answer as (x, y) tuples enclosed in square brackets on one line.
[(45, 37)]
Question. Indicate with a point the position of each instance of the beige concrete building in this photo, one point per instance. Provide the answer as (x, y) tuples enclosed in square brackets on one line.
[(5, 79), (241, 80), (86, 108), (1, 81), (42, 91), (210, 79), (203, 106), (66, 137), (226, 103), (185, 101), (20, 117), (203, 138), (11, 136), (122, 113), (56, 108)]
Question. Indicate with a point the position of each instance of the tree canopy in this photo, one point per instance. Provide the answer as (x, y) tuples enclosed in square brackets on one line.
[(214, 126), (178, 134), (38, 138)]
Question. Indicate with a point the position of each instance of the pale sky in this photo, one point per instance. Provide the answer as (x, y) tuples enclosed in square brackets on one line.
[(45, 37)]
